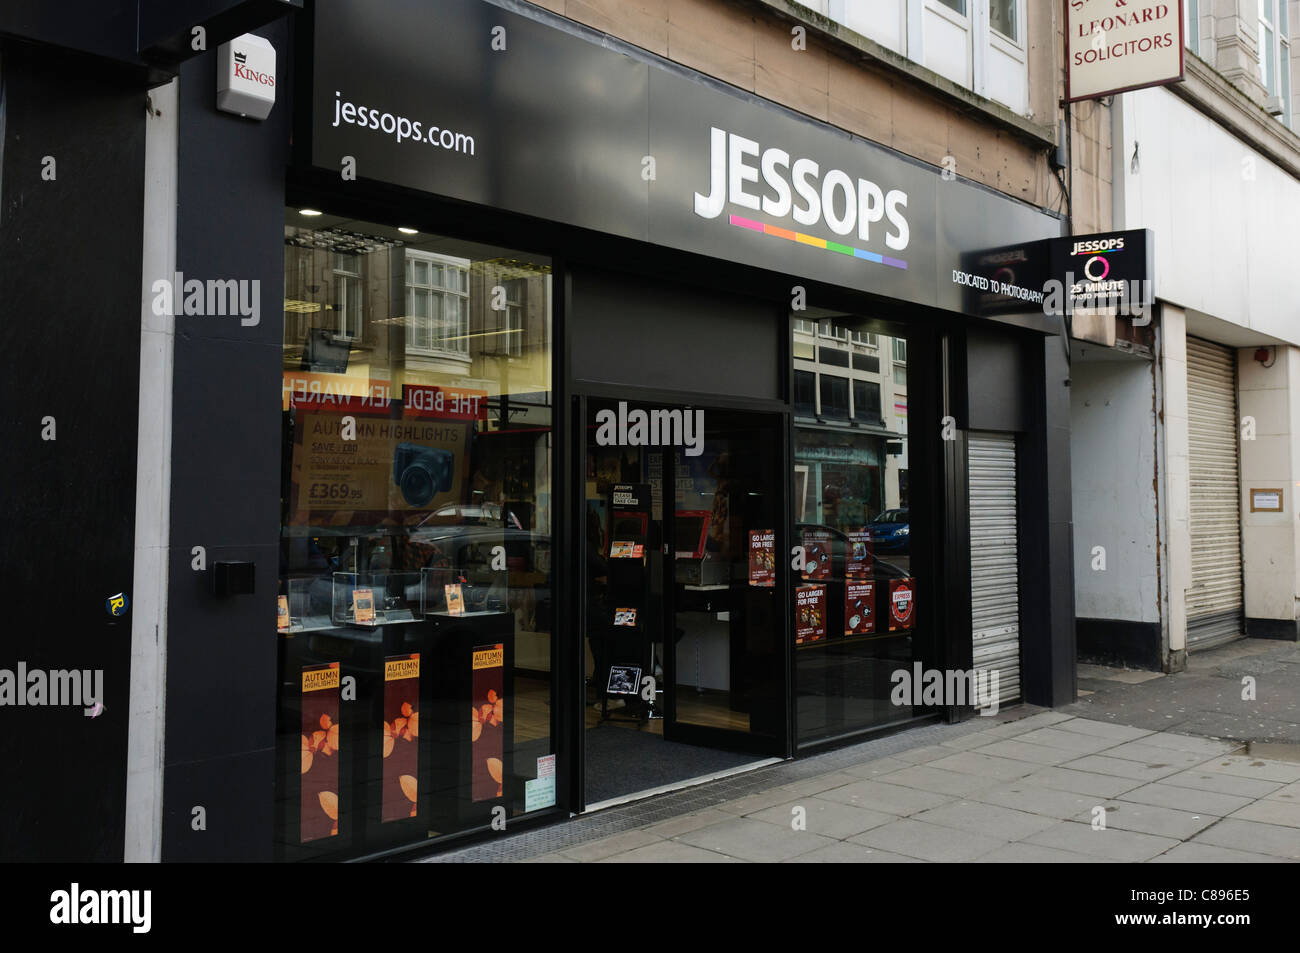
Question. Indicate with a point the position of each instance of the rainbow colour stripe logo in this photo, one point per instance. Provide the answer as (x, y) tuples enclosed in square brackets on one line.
[(815, 242)]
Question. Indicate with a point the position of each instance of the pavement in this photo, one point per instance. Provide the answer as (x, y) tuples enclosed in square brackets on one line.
[(1143, 768)]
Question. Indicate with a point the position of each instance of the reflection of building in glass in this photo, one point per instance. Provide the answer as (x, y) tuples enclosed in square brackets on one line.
[(850, 397)]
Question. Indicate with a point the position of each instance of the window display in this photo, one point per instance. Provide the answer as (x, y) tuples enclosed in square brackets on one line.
[(854, 598), (414, 612)]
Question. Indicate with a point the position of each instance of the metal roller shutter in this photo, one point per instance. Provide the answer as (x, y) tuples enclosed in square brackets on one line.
[(1214, 601), (994, 563)]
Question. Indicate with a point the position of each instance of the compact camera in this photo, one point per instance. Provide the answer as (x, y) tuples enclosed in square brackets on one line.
[(422, 472)]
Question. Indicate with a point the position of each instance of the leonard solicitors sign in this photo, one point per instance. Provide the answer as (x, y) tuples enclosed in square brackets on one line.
[(1113, 46)]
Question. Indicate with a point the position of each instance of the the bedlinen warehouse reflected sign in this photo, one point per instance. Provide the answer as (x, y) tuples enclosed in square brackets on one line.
[(474, 102)]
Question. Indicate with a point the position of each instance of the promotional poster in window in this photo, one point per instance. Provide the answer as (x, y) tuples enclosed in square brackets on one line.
[(487, 733), (401, 736)]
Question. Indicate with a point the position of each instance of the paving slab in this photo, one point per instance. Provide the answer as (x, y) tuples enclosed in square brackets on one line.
[(1271, 839), (1223, 783), (984, 765), (670, 852), (1290, 792), (1018, 750), (1163, 794), (1207, 746), (687, 822), (1056, 737), (922, 755), (754, 841), (1112, 844), (881, 796), (993, 820), (938, 781), (827, 818), (928, 841), (1246, 767), (1033, 854), (1283, 813), (1154, 755), (1101, 729), (1124, 768), (1149, 819), (1197, 853), (874, 769), (1082, 782), (1032, 799), (845, 853)]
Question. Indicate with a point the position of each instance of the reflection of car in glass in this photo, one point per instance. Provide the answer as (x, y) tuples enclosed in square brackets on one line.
[(890, 531)]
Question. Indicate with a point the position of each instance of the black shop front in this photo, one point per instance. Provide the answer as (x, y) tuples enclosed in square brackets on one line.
[(622, 432)]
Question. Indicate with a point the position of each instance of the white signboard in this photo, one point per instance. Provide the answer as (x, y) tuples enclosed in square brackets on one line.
[(1113, 47)]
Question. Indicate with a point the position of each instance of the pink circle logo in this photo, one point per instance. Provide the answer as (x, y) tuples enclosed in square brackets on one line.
[(1087, 269)]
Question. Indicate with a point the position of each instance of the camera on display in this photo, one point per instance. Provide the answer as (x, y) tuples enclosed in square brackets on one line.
[(422, 472)]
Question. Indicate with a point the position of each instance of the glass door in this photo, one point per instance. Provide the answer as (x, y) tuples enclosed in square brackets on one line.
[(726, 673), (684, 660)]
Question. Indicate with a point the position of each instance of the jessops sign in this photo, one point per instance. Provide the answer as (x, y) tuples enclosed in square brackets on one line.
[(490, 106)]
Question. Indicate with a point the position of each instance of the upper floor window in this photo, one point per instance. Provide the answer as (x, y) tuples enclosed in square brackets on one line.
[(1192, 24), (349, 295), (437, 303), (978, 44), (1275, 57)]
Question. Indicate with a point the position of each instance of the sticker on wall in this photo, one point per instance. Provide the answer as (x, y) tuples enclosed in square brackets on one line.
[(859, 608), (116, 605), (902, 604), (319, 794), (487, 733), (401, 734), (762, 557), (816, 554), (809, 614), (858, 559)]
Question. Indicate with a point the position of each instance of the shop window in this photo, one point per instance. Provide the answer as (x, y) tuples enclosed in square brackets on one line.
[(856, 596), (415, 596)]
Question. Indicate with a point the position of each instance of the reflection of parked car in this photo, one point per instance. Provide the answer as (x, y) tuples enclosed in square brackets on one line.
[(890, 531)]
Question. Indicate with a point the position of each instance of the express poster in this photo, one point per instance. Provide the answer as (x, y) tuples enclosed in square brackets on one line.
[(858, 559), (810, 614), (816, 554), (859, 608), (401, 736), (762, 557), (391, 456), (487, 733), (902, 604), (319, 788)]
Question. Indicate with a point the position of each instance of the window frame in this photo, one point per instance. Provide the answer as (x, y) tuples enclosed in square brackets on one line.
[(409, 287)]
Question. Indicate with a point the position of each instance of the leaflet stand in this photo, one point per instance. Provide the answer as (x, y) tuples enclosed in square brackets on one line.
[(627, 646)]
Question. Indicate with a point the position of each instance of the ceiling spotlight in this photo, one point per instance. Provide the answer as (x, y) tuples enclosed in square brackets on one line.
[(409, 231), (310, 212)]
